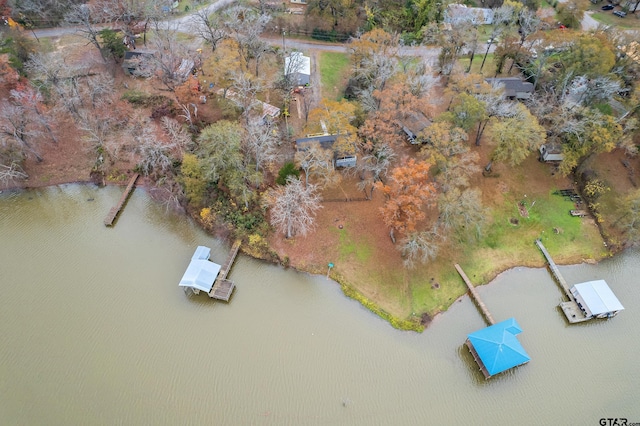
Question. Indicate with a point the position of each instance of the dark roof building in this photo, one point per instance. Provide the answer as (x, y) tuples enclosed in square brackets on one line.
[(326, 142), (514, 87), (413, 124)]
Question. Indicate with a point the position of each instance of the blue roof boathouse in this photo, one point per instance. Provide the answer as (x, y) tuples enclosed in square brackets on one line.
[(496, 348)]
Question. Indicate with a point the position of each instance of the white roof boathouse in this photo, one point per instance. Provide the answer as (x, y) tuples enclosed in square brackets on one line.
[(596, 299), (204, 275)]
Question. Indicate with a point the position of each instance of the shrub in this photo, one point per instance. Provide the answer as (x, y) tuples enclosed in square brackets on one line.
[(289, 169)]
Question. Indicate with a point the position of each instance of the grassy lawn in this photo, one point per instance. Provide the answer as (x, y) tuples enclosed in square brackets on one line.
[(608, 18), (334, 69), (508, 241), (489, 68)]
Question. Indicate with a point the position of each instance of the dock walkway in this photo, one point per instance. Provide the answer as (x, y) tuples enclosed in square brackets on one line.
[(474, 294), (113, 213), (570, 308), (555, 270), (222, 287)]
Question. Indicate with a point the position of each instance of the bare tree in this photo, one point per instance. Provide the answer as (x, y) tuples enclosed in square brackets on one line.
[(374, 166), (208, 27), (463, 212), (170, 60), (420, 247), (293, 207), (585, 91), (85, 17), (245, 26), (179, 136), (246, 88), (14, 127), (31, 100), (156, 155), (317, 162), (496, 106), (261, 142), (11, 172)]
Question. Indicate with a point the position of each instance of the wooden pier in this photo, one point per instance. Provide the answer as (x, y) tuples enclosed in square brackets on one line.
[(113, 213), (474, 294), (570, 308), (554, 270), (222, 287)]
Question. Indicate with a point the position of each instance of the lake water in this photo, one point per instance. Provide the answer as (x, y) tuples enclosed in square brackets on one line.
[(95, 330)]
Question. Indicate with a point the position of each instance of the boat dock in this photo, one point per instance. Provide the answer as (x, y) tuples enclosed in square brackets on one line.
[(570, 308), (113, 213), (474, 294), (222, 287)]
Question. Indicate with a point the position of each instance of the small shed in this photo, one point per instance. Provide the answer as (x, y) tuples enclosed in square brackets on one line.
[(298, 67), (267, 111), (496, 348), (596, 299), (514, 87), (201, 273), (413, 124), (137, 63), (549, 153)]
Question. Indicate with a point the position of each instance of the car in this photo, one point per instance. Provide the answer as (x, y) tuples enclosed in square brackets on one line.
[(620, 13), (608, 7)]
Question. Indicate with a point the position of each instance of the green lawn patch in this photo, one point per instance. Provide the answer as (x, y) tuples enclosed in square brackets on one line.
[(489, 68), (604, 108), (334, 71), (352, 247), (609, 19), (511, 236)]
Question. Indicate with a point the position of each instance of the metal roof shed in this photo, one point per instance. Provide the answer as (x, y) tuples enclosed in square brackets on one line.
[(201, 273), (596, 299), (496, 348)]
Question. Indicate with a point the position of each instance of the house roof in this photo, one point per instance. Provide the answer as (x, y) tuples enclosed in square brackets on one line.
[(512, 85), (304, 61), (414, 123), (598, 297), (498, 347), (201, 273), (325, 141), (267, 109)]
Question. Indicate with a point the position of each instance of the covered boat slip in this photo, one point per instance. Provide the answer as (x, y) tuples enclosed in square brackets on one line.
[(496, 348), (204, 275), (596, 299)]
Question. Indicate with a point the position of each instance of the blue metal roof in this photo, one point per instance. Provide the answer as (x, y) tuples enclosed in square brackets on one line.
[(498, 347)]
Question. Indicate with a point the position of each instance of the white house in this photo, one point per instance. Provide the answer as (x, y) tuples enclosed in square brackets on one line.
[(298, 67)]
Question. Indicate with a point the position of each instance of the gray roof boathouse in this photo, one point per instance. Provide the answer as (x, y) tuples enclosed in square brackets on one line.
[(204, 275), (596, 299)]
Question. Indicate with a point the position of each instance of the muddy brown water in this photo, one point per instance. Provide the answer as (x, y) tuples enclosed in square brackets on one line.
[(94, 330)]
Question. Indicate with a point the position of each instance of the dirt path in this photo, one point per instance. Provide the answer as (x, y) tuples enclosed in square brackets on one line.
[(315, 83)]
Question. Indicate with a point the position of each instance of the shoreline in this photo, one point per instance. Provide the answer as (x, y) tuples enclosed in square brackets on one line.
[(348, 289)]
